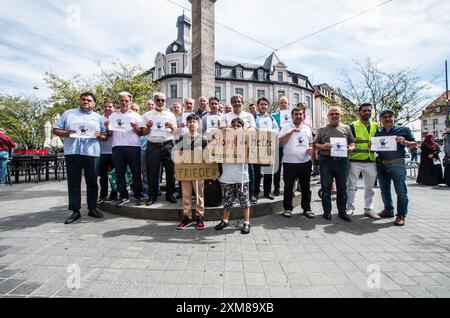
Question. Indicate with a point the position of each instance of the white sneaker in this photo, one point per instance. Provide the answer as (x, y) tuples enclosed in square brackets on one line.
[(287, 213), (371, 214), (350, 211)]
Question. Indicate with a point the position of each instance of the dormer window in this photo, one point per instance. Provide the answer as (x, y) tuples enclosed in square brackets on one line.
[(239, 73), (280, 76), (175, 47), (260, 75), (218, 71)]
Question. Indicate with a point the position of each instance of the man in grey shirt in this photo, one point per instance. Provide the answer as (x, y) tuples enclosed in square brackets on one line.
[(332, 166)]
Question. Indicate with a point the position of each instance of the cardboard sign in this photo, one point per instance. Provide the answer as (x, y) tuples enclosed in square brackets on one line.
[(202, 171), (232, 146)]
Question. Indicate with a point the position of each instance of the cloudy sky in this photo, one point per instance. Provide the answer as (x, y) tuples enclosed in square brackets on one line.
[(70, 37)]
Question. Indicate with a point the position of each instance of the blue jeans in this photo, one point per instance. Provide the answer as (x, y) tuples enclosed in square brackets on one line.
[(331, 168), (4, 155), (396, 173)]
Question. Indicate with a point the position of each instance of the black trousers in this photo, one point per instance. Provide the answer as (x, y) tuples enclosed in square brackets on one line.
[(75, 164), (277, 176), (158, 153), (122, 157), (267, 185), (302, 172), (105, 165)]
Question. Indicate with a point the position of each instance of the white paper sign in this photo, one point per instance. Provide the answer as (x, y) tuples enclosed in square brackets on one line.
[(285, 118), (265, 123), (386, 143), (84, 130), (213, 121), (159, 126), (299, 142), (119, 123), (338, 147)]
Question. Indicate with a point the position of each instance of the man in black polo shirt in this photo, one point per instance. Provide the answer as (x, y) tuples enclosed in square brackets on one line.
[(391, 167)]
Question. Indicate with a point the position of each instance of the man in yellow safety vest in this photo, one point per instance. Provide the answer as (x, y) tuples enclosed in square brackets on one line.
[(362, 160)]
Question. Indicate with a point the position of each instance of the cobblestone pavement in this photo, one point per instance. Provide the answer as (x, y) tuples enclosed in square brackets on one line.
[(298, 257)]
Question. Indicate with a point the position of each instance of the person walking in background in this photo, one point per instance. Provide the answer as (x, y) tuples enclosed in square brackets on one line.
[(430, 168), (6, 147)]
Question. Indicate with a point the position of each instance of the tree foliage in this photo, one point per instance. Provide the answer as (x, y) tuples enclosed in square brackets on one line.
[(23, 119), (401, 91), (105, 85)]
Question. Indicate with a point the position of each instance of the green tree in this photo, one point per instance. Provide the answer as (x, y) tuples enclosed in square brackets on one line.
[(23, 118), (105, 85)]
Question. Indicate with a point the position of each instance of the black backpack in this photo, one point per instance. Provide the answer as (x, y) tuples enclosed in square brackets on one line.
[(212, 193)]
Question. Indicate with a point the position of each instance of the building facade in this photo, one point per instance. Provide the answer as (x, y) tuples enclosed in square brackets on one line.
[(323, 95), (271, 80), (433, 118)]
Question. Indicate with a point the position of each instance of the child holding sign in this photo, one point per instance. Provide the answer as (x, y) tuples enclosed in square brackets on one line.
[(236, 186), (193, 140)]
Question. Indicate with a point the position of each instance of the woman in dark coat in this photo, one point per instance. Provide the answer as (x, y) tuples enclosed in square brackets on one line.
[(430, 168)]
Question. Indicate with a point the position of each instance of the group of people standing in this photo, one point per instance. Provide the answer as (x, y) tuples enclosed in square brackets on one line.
[(123, 139)]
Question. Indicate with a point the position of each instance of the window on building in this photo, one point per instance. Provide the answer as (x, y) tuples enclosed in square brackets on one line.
[(173, 91), (218, 92), (425, 122), (173, 68), (435, 122), (239, 73), (260, 75), (260, 93), (296, 98), (308, 101), (281, 94), (280, 76), (159, 72), (218, 71), (239, 91)]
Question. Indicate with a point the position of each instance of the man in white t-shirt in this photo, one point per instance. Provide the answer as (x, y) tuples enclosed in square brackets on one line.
[(161, 124), (298, 147), (213, 119), (125, 127)]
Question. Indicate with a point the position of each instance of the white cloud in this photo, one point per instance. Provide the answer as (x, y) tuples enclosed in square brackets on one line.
[(400, 34)]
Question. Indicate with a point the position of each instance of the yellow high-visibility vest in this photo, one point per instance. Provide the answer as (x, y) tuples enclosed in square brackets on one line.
[(362, 151)]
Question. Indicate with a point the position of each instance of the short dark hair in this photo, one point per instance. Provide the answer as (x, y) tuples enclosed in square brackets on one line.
[(296, 109), (262, 99), (237, 121), (88, 94), (364, 105), (214, 98), (192, 117)]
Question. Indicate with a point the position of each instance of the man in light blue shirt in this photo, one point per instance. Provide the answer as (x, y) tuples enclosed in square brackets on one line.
[(264, 122), (82, 129)]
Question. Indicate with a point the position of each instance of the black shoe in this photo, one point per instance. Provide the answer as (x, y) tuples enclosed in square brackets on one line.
[(253, 199), (150, 201), (178, 196), (327, 217), (269, 196), (95, 214), (170, 198), (184, 224), (345, 217), (200, 224), (101, 199), (245, 229), (138, 201), (112, 198), (222, 225), (276, 192), (75, 216), (122, 201), (309, 214)]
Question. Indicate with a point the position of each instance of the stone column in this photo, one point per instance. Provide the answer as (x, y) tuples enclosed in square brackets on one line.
[(203, 55)]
